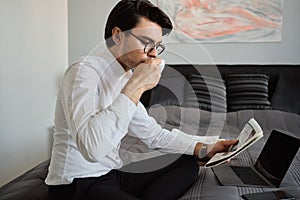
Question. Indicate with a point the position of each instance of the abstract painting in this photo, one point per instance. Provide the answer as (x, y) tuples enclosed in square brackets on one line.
[(224, 20)]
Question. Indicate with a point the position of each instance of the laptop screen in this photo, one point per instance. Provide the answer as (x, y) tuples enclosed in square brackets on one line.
[(276, 156)]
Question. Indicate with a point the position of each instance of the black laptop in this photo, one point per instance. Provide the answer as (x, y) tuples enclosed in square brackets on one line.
[(270, 167)]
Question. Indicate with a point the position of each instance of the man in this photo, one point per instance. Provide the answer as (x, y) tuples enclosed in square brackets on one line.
[(98, 104)]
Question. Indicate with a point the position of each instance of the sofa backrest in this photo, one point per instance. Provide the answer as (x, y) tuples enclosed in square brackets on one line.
[(290, 72)]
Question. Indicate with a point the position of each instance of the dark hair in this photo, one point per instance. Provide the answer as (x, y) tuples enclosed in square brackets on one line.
[(126, 15)]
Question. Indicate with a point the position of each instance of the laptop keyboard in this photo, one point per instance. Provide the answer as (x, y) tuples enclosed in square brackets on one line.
[(248, 175)]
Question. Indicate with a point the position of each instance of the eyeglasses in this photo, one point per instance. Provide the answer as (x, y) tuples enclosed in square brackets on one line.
[(149, 46)]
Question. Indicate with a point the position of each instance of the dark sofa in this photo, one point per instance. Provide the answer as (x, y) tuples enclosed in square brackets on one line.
[(283, 95), (283, 83)]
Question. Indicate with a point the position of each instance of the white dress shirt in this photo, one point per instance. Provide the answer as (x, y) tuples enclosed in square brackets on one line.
[(92, 116)]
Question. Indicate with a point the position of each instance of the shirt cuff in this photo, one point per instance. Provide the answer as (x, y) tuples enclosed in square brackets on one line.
[(188, 142)]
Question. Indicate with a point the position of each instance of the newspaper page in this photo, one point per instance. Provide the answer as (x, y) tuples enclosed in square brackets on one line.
[(250, 134)]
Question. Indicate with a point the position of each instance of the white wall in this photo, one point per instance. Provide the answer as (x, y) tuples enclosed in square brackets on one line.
[(33, 51), (86, 25), (87, 22)]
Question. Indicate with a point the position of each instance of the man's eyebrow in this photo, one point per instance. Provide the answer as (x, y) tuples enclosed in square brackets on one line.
[(147, 38)]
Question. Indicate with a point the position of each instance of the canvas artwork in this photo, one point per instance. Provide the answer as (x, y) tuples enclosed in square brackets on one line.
[(224, 20)]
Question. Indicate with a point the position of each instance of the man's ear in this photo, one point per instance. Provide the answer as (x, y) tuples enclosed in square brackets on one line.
[(117, 35)]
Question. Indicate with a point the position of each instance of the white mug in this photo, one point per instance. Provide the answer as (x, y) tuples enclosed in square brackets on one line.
[(162, 65)]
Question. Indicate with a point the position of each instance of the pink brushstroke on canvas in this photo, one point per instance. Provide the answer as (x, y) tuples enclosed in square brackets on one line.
[(221, 19)]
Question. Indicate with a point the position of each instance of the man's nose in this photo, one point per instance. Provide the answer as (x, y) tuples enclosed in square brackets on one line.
[(153, 53)]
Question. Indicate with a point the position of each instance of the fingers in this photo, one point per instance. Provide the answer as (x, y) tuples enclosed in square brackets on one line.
[(150, 66), (229, 142), (220, 146), (146, 75), (155, 61), (224, 145)]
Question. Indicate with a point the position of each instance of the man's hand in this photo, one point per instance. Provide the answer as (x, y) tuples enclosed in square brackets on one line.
[(220, 146), (145, 77), (212, 149)]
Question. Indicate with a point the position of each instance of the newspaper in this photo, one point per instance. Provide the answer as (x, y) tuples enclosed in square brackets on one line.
[(250, 134)]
